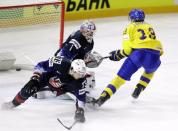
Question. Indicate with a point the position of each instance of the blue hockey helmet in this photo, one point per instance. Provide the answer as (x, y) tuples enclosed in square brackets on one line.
[(137, 15)]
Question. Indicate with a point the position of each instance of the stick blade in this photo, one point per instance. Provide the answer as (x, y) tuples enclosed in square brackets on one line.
[(67, 127)]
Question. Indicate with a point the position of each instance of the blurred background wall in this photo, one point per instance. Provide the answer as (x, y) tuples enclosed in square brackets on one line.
[(82, 9), (85, 9)]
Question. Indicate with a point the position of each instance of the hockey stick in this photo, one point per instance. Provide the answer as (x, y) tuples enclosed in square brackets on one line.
[(104, 58), (67, 127)]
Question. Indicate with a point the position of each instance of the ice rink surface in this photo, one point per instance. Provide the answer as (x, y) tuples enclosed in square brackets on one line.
[(155, 110)]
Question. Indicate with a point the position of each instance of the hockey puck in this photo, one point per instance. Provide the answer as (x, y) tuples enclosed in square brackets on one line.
[(18, 69)]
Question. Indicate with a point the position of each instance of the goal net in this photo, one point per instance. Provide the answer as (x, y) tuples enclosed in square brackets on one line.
[(31, 32)]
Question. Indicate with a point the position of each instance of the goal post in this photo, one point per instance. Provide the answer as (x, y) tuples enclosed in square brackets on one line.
[(33, 14), (30, 33)]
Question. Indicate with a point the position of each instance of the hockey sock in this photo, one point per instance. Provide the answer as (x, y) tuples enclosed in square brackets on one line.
[(145, 79), (114, 85)]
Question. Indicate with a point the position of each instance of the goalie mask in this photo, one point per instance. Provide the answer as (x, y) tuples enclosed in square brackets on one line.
[(78, 69), (88, 30)]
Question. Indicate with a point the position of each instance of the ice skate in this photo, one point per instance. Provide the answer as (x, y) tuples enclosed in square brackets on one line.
[(7, 106)]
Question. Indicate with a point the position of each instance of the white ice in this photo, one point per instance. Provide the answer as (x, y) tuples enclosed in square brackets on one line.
[(155, 110)]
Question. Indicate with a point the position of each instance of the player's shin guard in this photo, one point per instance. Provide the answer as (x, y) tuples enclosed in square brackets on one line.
[(110, 90), (143, 83), (18, 99), (27, 91)]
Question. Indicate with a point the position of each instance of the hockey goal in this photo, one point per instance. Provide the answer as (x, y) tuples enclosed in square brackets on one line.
[(32, 32)]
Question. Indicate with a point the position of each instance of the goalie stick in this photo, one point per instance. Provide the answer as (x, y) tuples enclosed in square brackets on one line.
[(67, 127)]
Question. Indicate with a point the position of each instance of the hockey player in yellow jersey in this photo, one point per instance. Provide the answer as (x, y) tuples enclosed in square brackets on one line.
[(141, 49)]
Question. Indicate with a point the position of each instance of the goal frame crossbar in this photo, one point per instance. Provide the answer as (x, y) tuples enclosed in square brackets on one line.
[(61, 31)]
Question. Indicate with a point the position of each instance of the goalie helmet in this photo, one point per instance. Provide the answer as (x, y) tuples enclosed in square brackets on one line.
[(78, 69), (88, 30), (137, 15)]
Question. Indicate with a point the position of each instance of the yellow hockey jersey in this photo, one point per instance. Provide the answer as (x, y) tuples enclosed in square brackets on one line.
[(138, 35)]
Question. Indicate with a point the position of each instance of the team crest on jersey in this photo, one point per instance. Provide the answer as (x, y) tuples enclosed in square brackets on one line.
[(55, 82)]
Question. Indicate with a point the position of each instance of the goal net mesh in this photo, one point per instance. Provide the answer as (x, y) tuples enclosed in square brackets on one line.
[(32, 32)]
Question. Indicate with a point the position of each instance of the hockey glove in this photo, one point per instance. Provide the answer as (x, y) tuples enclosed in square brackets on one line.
[(116, 55), (34, 81), (79, 115), (93, 59), (36, 76)]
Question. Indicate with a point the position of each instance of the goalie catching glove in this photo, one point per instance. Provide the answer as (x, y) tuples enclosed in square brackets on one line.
[(93, 59), (116, 55)]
